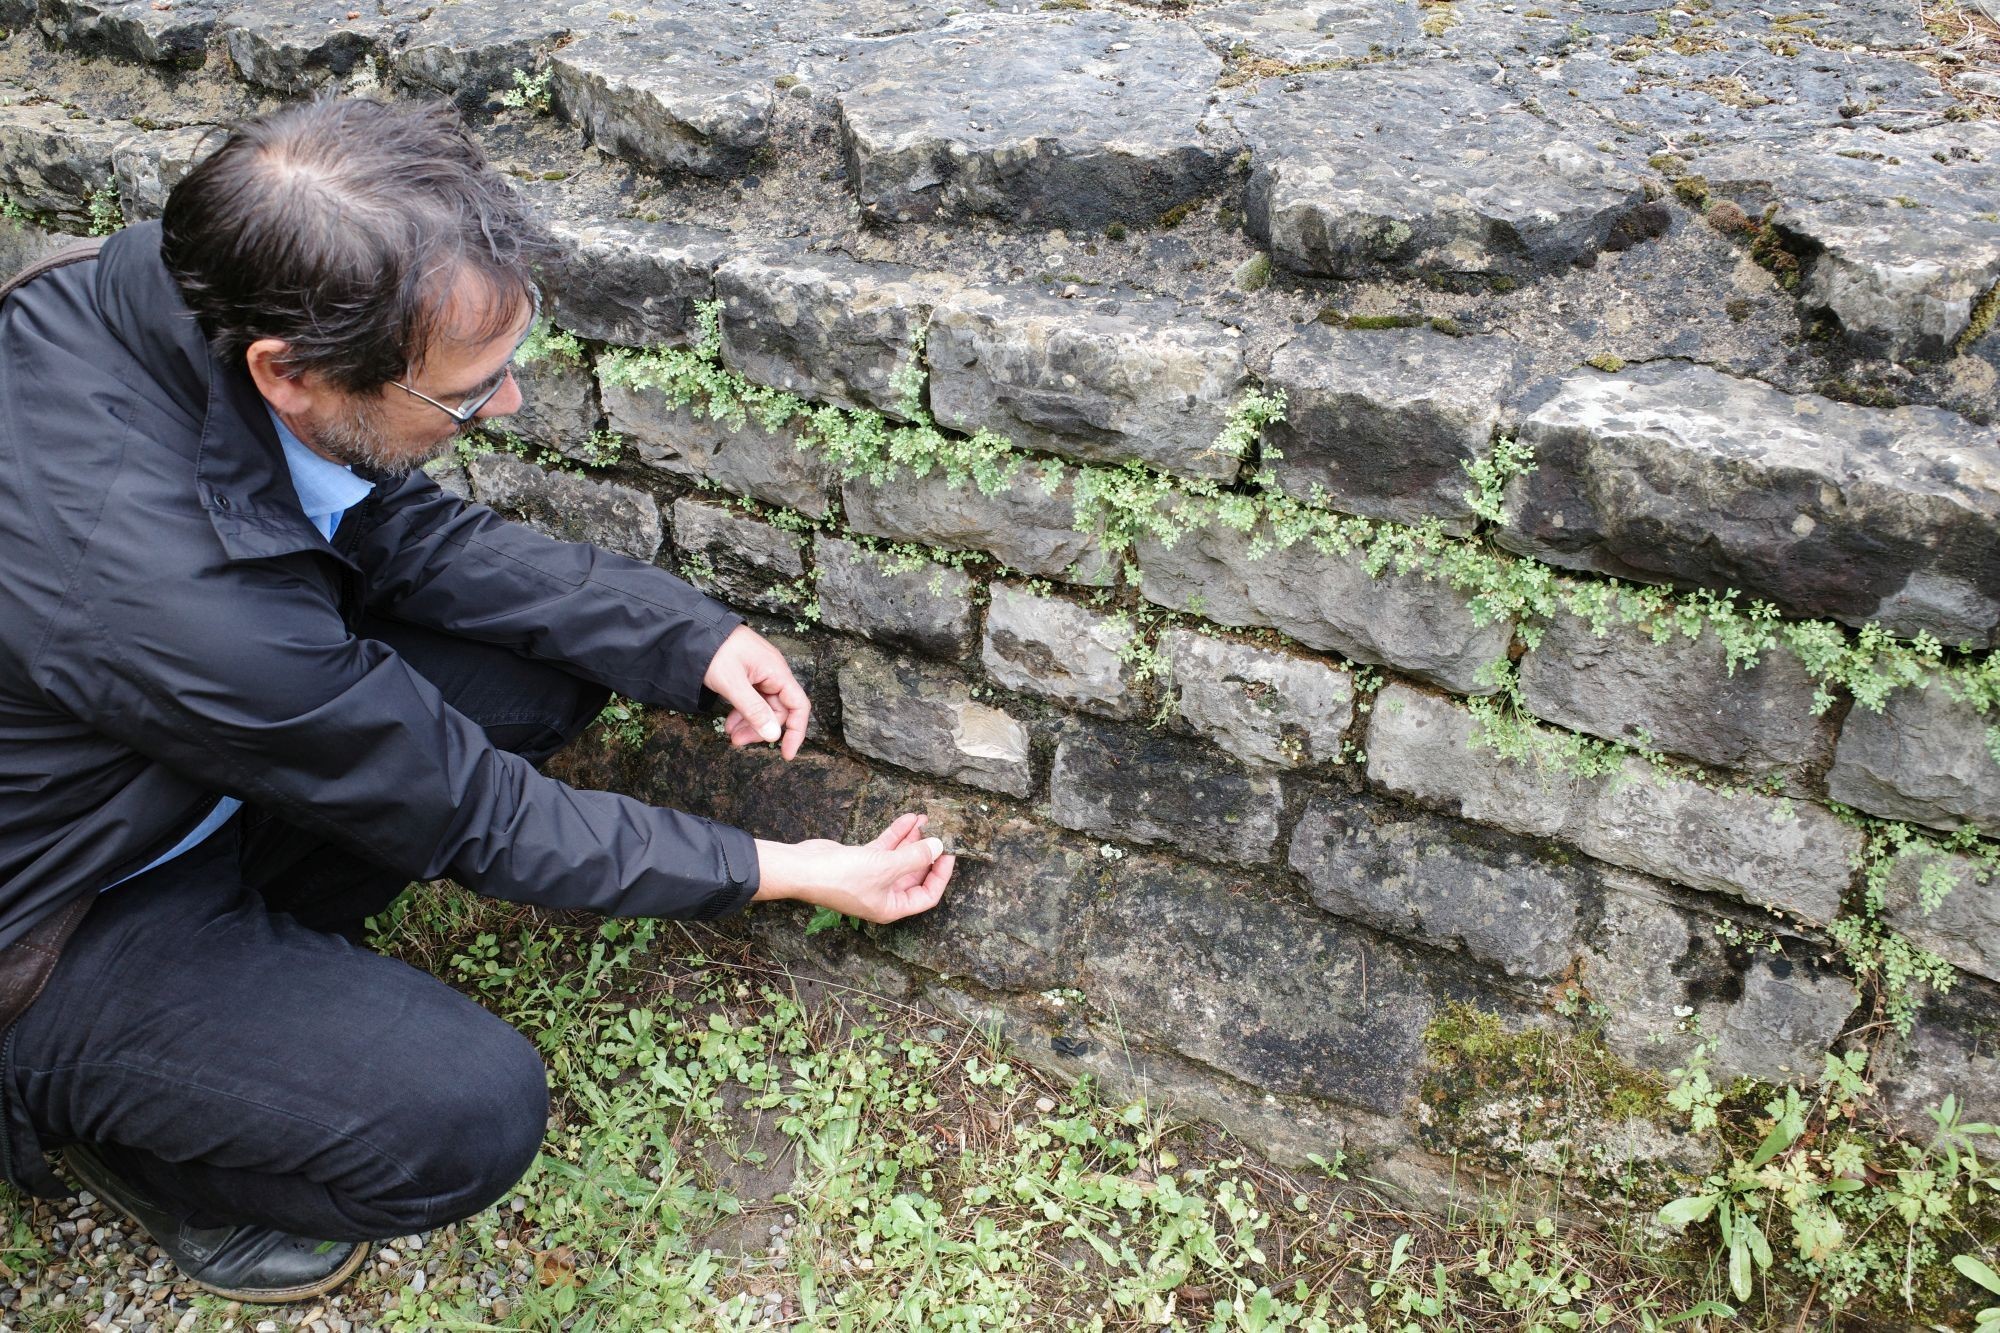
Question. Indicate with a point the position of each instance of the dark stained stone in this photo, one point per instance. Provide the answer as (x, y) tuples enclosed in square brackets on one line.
[(1147, 788), (1276, 995)]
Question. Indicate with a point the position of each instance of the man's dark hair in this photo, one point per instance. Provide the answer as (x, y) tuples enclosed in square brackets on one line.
[(340, 226)]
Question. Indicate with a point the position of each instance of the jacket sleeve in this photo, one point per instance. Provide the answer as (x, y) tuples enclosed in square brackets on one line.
[(248, 681), (438, 561)]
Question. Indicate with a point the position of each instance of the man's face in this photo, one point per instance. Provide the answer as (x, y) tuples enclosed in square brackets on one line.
[(394, 431)]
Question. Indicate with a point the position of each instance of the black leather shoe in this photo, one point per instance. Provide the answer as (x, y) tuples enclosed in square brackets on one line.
[(257, 1265)]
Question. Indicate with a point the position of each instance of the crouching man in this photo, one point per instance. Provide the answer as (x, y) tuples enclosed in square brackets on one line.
[(257, 672)]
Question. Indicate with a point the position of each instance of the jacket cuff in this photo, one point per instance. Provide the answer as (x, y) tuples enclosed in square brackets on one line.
[(697, 646), (739, 856)]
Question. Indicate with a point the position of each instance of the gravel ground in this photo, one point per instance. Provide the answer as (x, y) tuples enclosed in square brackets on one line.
[(101, 1273)]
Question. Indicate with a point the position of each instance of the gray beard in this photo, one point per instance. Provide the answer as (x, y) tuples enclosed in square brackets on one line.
[(357, 442)]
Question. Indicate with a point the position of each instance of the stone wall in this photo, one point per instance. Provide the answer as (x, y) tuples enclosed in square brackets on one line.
[(949, 346)]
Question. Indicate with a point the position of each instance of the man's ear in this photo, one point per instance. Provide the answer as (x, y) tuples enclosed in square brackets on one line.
[(294, 394)]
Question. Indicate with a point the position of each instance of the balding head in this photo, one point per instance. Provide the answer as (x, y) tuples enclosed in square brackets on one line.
[(351, 231)]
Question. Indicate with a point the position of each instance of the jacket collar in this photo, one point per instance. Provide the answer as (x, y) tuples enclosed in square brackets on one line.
[(240, 477)]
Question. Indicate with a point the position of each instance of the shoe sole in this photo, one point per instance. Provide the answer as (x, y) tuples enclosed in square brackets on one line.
[(253, 1296)]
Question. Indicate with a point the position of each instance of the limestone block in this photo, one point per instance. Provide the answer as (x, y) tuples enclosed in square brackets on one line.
[(1674, 473), (148, 165), (1103, 381), (296, 47), (666, 94), (1024, 525), (1010, 920), (928, 608), (632, 283), (1277, 995), (1148, 788), (135, 31), (558, 405), (1057, 649), (471, 49), (1420, 746), (1344, 181), (1679, 692), (53, 166), (1659, 971), (569, 507), (685, 441), (1263, 707), (742, 560), (826, 327), (688, 765), (1925, 757), (1964, 927), (926, 719), (1328, 602), (1088, 121), (1501, 900), (1791, 857), (1899, 227), (1384, 421), (22, 243), (1948, 1053), (1306, 31)]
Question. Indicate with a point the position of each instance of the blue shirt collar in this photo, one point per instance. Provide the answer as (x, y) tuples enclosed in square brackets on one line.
[(325, 488)]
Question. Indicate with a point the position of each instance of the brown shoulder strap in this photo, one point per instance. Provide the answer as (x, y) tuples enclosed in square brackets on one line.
[(63, 258)]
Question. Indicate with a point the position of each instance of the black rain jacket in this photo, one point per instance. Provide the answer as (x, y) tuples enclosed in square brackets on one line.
[(173, 628)]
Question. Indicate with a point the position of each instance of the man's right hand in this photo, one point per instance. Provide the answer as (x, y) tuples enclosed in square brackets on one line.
[(899, 874)]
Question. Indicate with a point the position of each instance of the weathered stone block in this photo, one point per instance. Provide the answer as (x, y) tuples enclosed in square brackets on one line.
[(1499, 899), (1964, 926), (470, 49), (1012, 918), (1105, 382), (1898, 228), (295, 48), (1925, 757), (742, 560), (926, 719), (1057, 649), (826, 327), (558, 405), (1345, 181), (1673, 473), (662, 95), (1148, 788), (1326, 601), (53, 166), (687, 442), (632, 283), (1263, 707), (1790, 857), (22, 243), (1093, 120), (572, 508), (1795, 858), (1679, 692), (1659, 969), (147, 166), (1421, 746), (1948, 1053), (1024, 525), (138, 31), (928, 608), (1278, 996), (1384, 421)]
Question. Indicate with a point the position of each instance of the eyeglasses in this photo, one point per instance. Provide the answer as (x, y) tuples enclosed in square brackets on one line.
[(464, 413)]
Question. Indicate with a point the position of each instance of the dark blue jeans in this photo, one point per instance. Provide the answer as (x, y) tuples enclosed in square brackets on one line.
[(216, 1029)]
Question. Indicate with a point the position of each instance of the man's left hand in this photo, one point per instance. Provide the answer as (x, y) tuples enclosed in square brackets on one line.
[(767, 702)]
